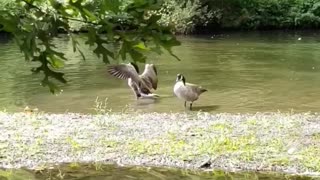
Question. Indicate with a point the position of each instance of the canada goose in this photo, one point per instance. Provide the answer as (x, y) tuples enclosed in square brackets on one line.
[(186, 91), (141, 84)]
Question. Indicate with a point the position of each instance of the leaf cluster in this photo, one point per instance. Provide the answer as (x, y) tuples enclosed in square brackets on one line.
[(117, 30)]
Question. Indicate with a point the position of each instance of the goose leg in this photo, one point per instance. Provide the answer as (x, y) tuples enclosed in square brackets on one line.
[(135, 89), (138, 96), (191, 105), (185, 104), (136, 92)]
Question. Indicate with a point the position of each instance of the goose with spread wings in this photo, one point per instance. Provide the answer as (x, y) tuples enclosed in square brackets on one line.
[(141, 84)]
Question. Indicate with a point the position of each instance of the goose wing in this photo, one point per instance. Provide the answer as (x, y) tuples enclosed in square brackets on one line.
[(124, 71), (149, 76), (196, 88)]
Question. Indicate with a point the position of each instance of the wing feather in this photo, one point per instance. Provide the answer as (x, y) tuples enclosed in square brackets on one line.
[(124, 71), (149, 76), (145, 82), (196, 88)]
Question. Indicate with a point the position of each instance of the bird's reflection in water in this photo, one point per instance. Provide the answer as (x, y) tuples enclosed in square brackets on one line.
[(208, 108)]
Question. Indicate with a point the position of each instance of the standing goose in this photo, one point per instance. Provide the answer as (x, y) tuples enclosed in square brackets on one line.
[(141, 84), (186, 91)]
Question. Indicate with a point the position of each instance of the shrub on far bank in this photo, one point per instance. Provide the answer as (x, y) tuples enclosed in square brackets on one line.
[(264, 14), (188, 16)]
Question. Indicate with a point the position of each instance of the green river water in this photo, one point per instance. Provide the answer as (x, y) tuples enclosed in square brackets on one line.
[(243, 72)]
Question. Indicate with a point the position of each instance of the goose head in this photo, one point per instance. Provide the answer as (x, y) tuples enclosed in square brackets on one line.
[(180, 77)]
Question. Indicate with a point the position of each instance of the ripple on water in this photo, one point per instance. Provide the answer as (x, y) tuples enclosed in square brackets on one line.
[(243, 72)]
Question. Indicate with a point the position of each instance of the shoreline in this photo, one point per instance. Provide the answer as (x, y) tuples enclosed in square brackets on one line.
[(261, 142), (214, 31)]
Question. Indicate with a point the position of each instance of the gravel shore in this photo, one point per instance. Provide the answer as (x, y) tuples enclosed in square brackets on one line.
[(283, 142)]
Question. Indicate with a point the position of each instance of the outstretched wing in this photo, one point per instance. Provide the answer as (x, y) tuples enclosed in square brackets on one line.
[(149, 76), (124, 71)]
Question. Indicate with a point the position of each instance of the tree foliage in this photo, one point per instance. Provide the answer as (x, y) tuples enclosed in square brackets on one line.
[(184, 14), (264, 14), (116, 31)]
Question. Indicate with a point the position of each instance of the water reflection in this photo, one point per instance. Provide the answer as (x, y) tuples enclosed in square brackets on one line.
[(110, 172), (206, 108)]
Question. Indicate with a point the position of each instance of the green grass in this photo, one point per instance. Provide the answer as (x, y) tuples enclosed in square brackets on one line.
[(310, 158), (109, 143), (218, 139), (316, 136), (269, 142)]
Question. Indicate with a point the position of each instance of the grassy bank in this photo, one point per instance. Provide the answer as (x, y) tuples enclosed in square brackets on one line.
[(261, 142)]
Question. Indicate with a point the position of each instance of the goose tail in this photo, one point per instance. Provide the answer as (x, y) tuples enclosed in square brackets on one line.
[(202, 90)]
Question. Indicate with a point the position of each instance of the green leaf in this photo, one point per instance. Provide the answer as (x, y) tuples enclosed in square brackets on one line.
[(55, 4), (154, 18), (137, 56), (56, 53), (57, 75), (90, 16), (123, 50), (74, 43), (168, 43), (156, 50), (8, 22), (91, 35), (111, 5), (55, 62), (52, 87), (166, 37), (82, 55), (105, 53), (141, 46)]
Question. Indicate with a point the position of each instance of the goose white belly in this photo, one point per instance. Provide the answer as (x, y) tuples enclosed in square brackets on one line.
[(185, 92), (135, 88)]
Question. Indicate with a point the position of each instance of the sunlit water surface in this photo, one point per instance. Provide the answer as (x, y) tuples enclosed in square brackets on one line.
[(243, 72)]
